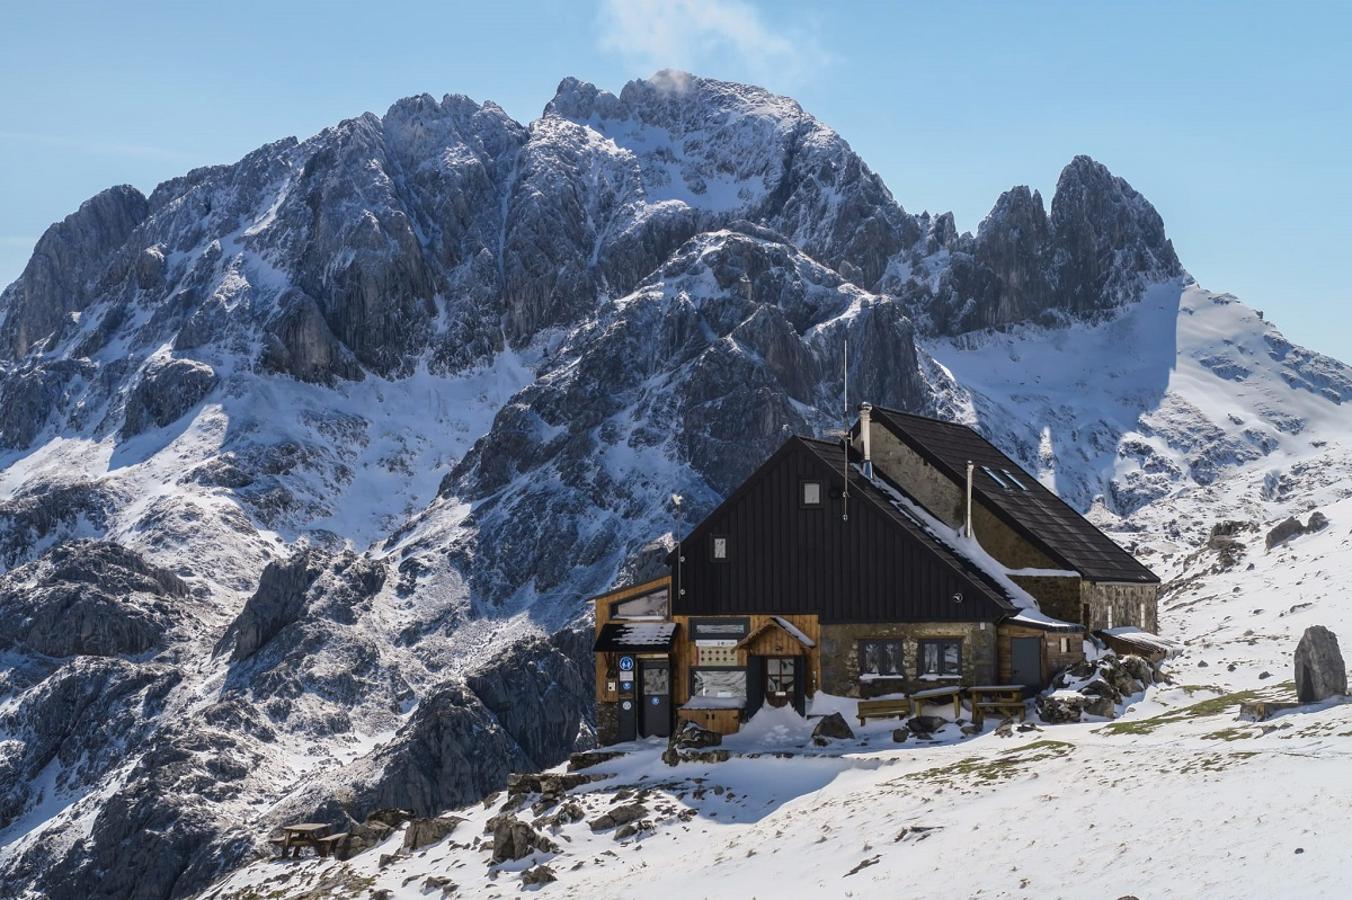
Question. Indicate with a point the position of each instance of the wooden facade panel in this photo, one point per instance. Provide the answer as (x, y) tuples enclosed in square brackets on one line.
[(778, 643), (605, 662), (1054, 659)]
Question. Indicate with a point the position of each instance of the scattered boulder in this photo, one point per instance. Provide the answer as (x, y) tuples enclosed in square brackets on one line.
[(1225, 535), (1101, 706), (901, 734), (425, 832), (1292, 527), (588, 758), (833, 727), (924, 726), (690, 736), (1061, 708), (1320, 672), (514, 839), (619, 815), (541, 874)]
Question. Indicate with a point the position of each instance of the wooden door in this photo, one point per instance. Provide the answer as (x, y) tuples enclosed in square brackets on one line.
[(781, 673)]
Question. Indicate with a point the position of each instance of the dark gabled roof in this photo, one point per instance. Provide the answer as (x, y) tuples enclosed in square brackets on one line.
[(862, 490), (1018, 499)]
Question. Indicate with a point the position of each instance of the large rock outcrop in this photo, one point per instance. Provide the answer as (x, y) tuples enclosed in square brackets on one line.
[(72, 259), (165, 393), (1320, 672), (89, 598)]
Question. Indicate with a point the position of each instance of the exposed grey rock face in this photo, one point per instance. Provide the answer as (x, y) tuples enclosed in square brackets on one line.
[(1101, 246), (1293, 527), (278, 602), (165, 393), (88, 598), (69, 264), (31, 395), (1320, 672), (44, 513)]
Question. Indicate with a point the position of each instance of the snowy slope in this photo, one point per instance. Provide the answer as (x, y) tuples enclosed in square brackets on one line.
[(1177, 798)]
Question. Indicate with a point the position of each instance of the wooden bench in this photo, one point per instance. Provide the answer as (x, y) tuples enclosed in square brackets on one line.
[(1005, 699), (884, 709), (936, 695), (328, 846)]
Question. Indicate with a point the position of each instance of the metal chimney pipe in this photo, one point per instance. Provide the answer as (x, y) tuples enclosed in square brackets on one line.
[(865, 436), (968, 528)]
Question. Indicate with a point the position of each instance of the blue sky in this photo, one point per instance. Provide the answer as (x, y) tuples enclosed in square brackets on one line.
[(1234, 119)]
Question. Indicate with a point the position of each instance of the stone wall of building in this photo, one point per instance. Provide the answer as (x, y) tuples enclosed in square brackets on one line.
[(946, 499), (607, 722), (1114, 604), (840, 655), (1058, 597)]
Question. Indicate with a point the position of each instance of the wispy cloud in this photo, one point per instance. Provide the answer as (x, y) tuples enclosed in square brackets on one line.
[(94, 146), (701, 34)]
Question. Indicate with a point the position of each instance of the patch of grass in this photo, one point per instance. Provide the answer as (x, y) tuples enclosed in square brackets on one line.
[(1229, 734), (1213, 707), (1009, 763)]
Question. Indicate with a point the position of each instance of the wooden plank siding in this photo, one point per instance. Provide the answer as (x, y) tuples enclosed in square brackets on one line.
[(776, 642), (1053, 659), (602, 604)]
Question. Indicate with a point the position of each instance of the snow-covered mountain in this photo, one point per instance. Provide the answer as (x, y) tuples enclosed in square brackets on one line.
[(307, 461)]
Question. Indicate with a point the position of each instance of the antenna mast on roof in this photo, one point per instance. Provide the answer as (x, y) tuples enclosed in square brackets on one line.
[(845, 439)]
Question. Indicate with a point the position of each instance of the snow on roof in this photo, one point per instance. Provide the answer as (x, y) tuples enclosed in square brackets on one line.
[(966, 547), (646, 632), (1038, 619), (1133, 635), (791, 629)]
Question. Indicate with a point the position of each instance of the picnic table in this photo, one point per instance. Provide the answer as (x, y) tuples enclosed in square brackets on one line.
[(935, 695), (1006, 699), (314, 835)]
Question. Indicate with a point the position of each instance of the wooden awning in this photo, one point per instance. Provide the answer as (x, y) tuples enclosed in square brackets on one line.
[(776, 624)]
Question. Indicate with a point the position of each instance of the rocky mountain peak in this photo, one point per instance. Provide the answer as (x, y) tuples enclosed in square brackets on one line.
[(1110, 239), (68, 261)]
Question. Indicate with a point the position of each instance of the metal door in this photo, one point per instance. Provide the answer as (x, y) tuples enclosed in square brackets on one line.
[(655, 682), (1026, 661)]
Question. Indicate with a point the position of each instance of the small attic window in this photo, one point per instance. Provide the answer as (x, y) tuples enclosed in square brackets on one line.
[(996, 478), (718, 547), (810, 493), (1014, 478)]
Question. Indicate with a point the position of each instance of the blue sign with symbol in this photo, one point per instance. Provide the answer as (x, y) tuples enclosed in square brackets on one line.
[(626, 664), (656, 700)]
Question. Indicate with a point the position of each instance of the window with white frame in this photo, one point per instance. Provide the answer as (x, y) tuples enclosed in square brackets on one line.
[(811, 493), (718, 545)]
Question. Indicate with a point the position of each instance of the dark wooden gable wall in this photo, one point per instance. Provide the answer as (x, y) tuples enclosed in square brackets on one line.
[(784, 558)]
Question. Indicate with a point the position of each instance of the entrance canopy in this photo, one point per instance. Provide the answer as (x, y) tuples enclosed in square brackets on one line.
[(783, 635), (635, 637)]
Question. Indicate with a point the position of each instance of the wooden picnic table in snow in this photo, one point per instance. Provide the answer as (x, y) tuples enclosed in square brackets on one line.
[(1006, 699), (308, 834), (953, 692)]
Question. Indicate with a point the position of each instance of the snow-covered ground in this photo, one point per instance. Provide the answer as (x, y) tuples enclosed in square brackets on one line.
[(1178, 797)]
